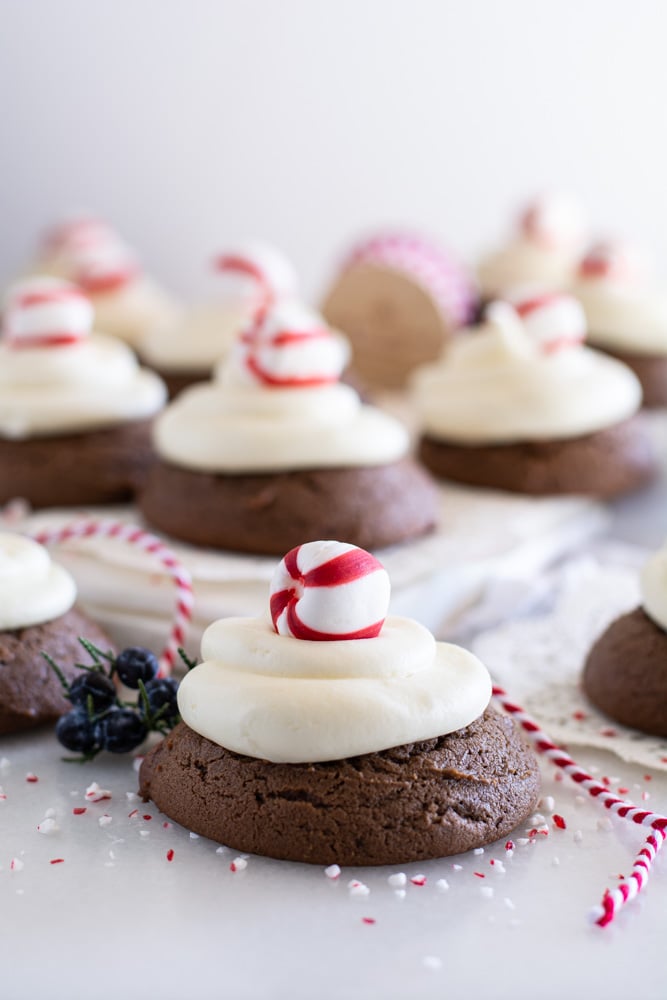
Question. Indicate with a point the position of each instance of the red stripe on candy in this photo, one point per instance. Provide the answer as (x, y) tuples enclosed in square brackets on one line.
[(301, 631), (43, 340), (342, 569)]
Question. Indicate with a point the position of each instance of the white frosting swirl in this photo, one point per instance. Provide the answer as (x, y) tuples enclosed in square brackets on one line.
[(497, 385), (199, 339), (93, 383), (653, 581), (624, 315), (33, 589), (236, 425), (292, 700)]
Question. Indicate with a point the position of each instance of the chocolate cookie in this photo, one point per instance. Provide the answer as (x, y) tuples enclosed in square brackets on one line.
[(625, 674), (610, 462), (651, 370), (30, 692), (102, 466), (414, 802), (270, 513)]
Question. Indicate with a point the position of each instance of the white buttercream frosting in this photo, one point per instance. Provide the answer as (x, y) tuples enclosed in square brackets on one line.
[(292, 700), (654, 587), (33, 589), (53, 387), (625, 309), (497, 384), (543, 250), (237, 423)]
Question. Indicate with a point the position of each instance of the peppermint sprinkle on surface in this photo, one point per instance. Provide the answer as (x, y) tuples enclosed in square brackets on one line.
[(78, 810), (442, 884), (16, 865), (486, 892), (397, 880), (418, 880), (478, 850), (238, 865), (559, 822), (96, 794), (31, 778), (48, 826), (170, 854), (358, 888), (332, 872), (509, 845), (400, 893), (56, 861), (368, 920), (105, 819), (479, 874)]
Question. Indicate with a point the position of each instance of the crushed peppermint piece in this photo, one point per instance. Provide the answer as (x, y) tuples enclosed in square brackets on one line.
[(537, 819), (131, 796), (78, 810), (137, 762), (479, 874), (509, 845), (332, 872), (548, 803), (3, 797), (498, 866), (400, 893), (559, 822), (144, 833), (522, 841), (31, 778), (48, 826), (457, 868), (193, 836), (238, 865), (358, 888), (221, 850), (50, 813), (170, 854), (646, 796), (104, 819), (578, 836), (368, 920), (16, 865), (418, 880), (508, 903), (478, 850), (486, 892), (133, 814), (96, 794), (622, 790), (148, 816), (605, 824), (398, 879), (4, 763), (167, 825), (432, 962), (56, 861), (442, 884)]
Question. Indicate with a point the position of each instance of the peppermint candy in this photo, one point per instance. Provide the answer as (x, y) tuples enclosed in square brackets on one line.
[(93, 254), (46, 312), (615, 261), (553, 319), (553, 221), (258, 272), (329, 590), (290, 346)]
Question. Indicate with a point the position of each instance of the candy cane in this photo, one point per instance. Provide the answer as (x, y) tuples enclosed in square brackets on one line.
[(146, 542), (612, 901)]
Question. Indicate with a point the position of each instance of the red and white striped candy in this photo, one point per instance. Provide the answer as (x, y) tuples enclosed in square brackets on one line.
[(289, 346), (94, 255), (553, 319), (266, 274), (446, 280), (615, 261), (329, 591), (46, 312), (553, 221)]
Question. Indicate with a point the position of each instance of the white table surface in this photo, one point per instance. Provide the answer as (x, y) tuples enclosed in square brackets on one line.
[(116, 919)]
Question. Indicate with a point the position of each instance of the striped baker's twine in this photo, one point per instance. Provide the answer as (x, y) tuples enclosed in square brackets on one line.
[(613, 900), (130, 534)]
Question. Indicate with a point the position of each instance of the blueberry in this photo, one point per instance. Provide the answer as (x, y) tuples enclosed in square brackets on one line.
[(121, 730), (136, 664), (77, 732), (161, 695), (96, 685)]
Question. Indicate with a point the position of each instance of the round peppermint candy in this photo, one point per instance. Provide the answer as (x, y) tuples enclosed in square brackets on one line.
[(329, 591), (46, 312)]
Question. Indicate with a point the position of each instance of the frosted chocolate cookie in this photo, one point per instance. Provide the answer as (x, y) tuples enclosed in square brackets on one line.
[(329, 733)]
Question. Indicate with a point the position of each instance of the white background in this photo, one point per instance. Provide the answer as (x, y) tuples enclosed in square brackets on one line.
[(192, 124)]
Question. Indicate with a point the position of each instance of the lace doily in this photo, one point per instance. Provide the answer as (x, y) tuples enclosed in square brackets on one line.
[(540, 659)]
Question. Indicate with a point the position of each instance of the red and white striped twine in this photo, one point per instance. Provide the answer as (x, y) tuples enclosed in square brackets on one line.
[(130, 534), (613, 900)]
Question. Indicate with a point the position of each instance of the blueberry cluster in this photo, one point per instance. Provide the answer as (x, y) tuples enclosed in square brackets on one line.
[(99, 720)]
